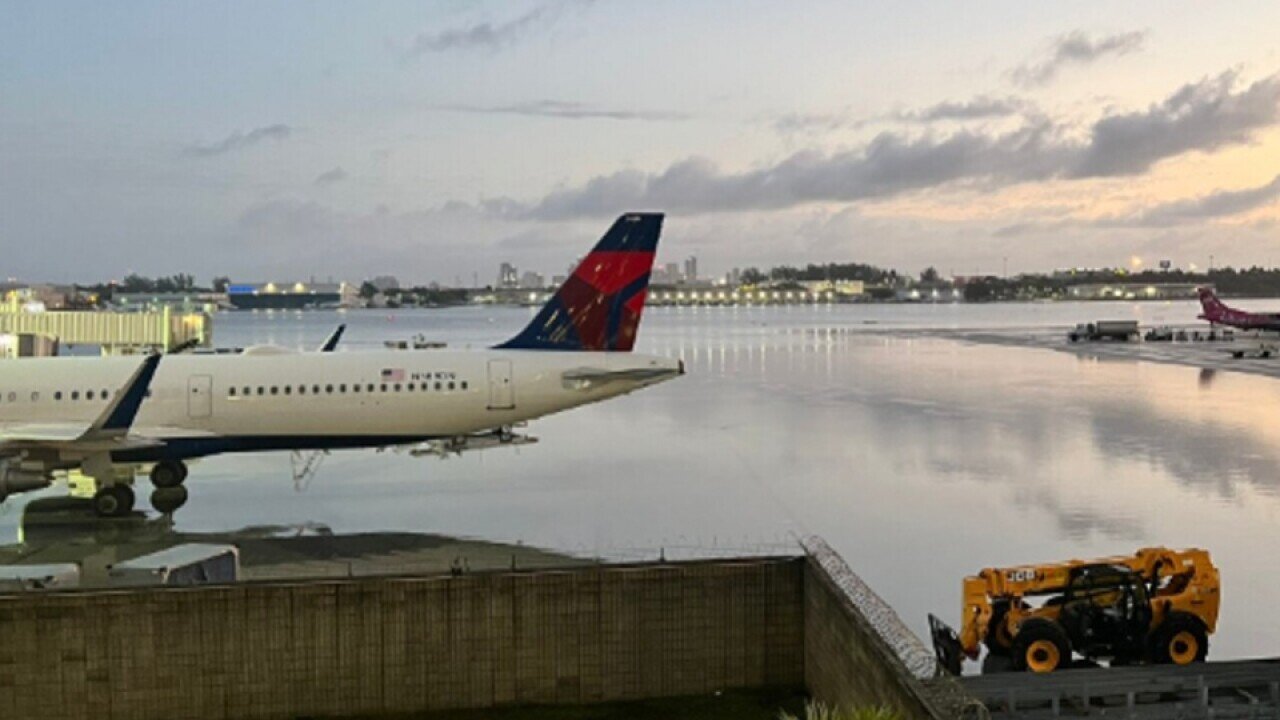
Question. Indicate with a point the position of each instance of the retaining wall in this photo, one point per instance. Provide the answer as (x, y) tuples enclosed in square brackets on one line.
[(381, 646)]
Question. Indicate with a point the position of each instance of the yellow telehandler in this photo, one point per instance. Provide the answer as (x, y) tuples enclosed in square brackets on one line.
[(1155, 606)]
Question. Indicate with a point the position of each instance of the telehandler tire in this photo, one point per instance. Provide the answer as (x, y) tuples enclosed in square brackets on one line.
[(1180, 640), (1041, 646)]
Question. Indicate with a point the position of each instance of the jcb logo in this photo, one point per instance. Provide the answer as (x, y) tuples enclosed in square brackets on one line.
[(1022, 575)]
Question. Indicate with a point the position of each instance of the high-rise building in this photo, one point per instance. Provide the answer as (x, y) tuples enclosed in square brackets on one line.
[(691, 269), (385, 283), (672, 271), (531, 280), (508, 276)]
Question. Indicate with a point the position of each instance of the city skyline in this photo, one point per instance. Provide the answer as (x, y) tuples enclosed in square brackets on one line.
[(432, 141)]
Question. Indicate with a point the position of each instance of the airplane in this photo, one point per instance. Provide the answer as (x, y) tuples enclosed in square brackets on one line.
[(1218, 313), (94, 413)]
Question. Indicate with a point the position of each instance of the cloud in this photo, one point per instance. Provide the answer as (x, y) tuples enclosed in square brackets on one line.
[(330, 177), (489, 35), (1200, 116), (1076, 48), (1212, 206), (567, 110), (980, 107), (240, 140), (1204, 116), (1219, 204)]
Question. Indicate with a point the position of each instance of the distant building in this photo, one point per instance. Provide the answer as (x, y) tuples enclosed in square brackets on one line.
[(1133, 291), (190, 301), (847, 288), (558, 280), (532, 281), (691, 269), (668, 274), (291, 296), (508, 276), (45, 297)]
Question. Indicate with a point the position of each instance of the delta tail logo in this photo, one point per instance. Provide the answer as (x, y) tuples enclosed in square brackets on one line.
[(599, 306)]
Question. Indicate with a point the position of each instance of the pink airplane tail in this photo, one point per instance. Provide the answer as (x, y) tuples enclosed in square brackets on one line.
[(1213, 307)]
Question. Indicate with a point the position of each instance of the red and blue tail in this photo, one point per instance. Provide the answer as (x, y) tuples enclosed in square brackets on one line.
[(599, 306)]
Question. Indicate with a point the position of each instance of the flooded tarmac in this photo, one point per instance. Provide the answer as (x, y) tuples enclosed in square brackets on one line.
[(919, 458)]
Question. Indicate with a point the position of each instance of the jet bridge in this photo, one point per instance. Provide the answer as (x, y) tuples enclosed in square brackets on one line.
[(115, 333)]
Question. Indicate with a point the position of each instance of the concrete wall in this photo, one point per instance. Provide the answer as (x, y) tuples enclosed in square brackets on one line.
[(857, 651), (399, 645)]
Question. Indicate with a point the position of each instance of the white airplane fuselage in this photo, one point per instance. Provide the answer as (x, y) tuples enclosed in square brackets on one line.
[(205, 404)]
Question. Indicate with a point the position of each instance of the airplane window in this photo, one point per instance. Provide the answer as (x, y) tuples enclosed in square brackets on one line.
[(87, 396), (342, 388), (75, 394), (288, 389), (262, 390), (57, 395), (302, 389), (355, 387), (450, 384), (397, 387), (438, 385), (464, 384), (35, 397), (328, 388), (315, 389), (275, 389), (409, 387), (384, 387), (369, 387), (248, 391), (231, 392), (105, 395)]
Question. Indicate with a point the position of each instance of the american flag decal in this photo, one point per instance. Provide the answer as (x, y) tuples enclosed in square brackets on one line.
[(393, 374)]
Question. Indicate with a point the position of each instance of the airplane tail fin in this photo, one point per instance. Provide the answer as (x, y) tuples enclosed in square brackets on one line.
[(1209, 302), (599, 305)]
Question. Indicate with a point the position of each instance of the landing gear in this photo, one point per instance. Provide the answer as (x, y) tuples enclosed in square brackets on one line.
[(168, 473), (168, 500), (113, 501)]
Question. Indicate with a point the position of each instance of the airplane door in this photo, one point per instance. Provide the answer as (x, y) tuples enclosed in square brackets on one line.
[(502, 391), (200, 396)]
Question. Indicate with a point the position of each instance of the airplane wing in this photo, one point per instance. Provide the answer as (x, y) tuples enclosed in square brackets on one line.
[(109, 430)]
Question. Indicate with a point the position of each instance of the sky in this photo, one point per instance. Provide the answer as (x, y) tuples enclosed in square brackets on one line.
[(434, 140)]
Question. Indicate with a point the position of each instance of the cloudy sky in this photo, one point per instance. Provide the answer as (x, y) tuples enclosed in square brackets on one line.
[(433, 140)]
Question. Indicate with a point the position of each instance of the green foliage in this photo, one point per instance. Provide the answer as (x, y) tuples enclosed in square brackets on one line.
[(818, 711), (835, 271), (180, 282)]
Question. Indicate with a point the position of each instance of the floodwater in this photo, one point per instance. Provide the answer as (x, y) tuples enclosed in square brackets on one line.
[(920, 459)]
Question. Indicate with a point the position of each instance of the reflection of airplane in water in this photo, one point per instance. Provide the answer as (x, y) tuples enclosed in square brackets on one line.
[(62, 531), (94, 414), (1266, 325)]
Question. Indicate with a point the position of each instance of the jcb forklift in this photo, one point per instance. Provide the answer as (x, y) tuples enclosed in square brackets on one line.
[(1156, 606)]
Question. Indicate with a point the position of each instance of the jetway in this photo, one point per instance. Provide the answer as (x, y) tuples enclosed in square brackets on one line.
[(115, 333)]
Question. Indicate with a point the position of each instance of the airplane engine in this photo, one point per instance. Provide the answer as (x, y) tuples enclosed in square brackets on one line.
[(16, 479)]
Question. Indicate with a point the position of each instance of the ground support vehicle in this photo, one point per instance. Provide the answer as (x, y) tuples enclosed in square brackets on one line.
[(1155, 606)]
